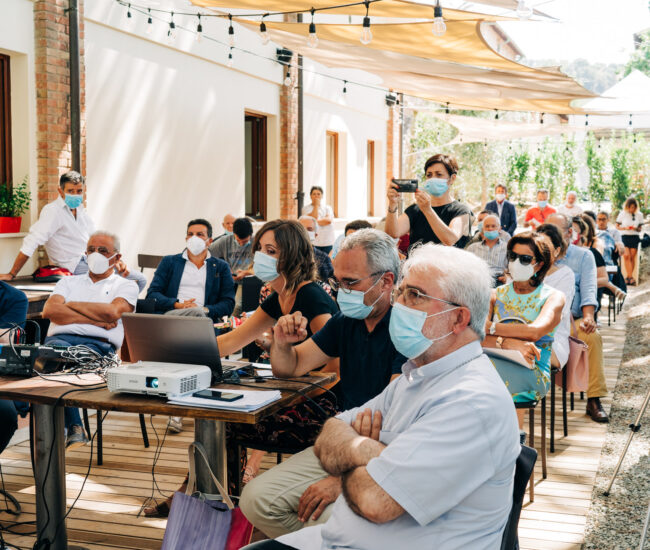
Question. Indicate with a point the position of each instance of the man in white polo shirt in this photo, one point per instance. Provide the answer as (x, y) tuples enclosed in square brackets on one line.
[(63, 227), (87, 309), (429, 462)]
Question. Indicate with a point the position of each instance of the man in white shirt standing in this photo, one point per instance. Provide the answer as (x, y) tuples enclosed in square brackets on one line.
[(86, 310), (63, 227), (570, 207), (429, 462)]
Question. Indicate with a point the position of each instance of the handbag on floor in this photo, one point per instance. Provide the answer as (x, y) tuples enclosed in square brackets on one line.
[(204, 522), (577, 367)]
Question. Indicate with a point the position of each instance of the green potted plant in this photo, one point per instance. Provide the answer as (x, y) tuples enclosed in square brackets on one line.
[(13, 203)]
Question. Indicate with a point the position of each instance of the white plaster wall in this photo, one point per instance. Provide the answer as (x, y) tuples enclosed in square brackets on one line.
[(165, 132), (17, 41)]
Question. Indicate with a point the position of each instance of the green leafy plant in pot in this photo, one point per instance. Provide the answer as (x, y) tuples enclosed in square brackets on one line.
[(14, 202)]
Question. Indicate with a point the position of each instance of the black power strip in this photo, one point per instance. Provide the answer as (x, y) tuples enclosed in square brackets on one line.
[(19, 359)]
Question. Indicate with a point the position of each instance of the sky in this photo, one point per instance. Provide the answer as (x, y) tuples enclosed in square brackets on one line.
[(597, 30)]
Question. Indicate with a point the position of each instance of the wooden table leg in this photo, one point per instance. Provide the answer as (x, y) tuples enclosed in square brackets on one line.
[(212, 434), (50, 490)]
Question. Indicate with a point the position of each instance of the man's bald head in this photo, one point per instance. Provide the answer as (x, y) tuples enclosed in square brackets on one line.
[(228, 221), (562, 222)]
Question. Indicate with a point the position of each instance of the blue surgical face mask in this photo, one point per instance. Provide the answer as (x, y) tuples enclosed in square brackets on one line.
[(74, 201), (480, 226), (351, 303), (405, 330), (227, 233), (265, 267), (542, 204), (491, 235), (436, 186)]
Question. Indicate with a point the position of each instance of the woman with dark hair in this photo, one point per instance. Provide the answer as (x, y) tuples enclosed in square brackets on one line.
[(324, 216), (525, 313), (283, 258), (589, 240), (561, 278), (436, 216), (629, 222)]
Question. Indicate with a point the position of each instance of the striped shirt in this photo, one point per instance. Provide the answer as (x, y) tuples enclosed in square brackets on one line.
[(495, 257)]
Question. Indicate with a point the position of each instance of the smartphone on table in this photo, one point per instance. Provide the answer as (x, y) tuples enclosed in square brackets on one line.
[(218, 395)]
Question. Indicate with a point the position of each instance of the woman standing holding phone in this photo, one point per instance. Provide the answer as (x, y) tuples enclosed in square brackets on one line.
[(629, 223), (436, 216)]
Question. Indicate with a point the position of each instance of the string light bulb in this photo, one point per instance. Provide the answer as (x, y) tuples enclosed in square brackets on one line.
[(149, 22), (439, 28), (524, 11), (312, 41), (287, 78), (541, 119), (587, 120), (199, 29), (345, 86), (263, 34), (230, 60), (129, 16), (629, 124), (366, 33), (171, 33), (231, 32)]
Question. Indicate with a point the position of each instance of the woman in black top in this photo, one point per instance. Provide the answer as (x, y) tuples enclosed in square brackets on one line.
[(284, 258), (585, 231), (436, 216)]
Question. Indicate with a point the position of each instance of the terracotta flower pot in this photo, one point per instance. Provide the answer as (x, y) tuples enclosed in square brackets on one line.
[(10, 225)]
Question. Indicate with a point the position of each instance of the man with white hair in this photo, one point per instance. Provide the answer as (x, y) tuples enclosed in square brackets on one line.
[(429, 462), (86, 310), (491, 248), (570, 207)]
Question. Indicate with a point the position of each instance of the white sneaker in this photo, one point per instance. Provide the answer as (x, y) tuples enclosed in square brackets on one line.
[(175, 424)]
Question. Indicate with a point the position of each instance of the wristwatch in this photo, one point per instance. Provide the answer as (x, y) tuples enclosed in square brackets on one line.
[(500, 342), (493, 328)]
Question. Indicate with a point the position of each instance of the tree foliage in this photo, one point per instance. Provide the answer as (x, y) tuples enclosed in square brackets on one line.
[(640, 58)]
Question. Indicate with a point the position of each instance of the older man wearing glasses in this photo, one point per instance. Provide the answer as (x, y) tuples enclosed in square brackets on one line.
[(299, 492), (86, 310)]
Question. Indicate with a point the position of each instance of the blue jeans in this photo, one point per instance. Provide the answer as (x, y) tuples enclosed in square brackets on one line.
[(72, 416)]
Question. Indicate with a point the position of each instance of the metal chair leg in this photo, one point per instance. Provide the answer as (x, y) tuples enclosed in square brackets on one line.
[(553, 414), (100, 450), (565, 420), (531, 428), (278, 459), (543, 423), (143, 429), (572, 402)]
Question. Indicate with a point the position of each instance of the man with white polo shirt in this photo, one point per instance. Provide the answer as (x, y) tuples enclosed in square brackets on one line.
[(429, 462), (63, 228), (86, 310)]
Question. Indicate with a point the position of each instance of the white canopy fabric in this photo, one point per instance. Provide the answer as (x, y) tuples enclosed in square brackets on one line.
[(630, 95)]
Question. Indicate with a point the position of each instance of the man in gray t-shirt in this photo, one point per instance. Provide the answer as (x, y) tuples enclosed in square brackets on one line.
[(429, 462)]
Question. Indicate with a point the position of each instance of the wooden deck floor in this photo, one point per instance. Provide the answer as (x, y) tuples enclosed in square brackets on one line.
[(105, 516)]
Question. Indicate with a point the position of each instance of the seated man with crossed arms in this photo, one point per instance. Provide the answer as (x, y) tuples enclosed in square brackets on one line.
[(428, 463)]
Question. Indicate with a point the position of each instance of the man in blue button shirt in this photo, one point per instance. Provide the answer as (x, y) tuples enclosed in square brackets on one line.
[(585, 301), (299, 492)]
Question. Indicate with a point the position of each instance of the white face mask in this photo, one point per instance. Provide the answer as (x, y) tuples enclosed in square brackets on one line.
[(520, 273), (312, 236), (195, 245), (501, 197), (98, 264)]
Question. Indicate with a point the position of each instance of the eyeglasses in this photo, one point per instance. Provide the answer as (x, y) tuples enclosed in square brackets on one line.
[(101, 249), (524, 259), (346, 286), (413, 297)]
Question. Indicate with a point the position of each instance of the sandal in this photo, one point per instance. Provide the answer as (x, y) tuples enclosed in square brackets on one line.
[(158, 511)]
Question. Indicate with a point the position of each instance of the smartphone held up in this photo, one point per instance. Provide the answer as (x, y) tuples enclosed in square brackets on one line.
[(405, 186)]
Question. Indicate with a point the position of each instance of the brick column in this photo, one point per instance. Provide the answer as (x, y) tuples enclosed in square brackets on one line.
[(53, 95), (289, 146), (52, 72)]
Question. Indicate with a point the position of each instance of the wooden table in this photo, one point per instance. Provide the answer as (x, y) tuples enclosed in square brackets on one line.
[(50, 397)]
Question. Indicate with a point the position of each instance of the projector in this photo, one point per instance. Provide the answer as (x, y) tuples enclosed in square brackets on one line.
[(163, 379)]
